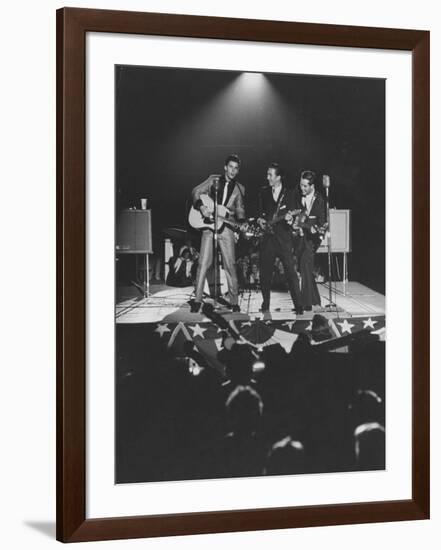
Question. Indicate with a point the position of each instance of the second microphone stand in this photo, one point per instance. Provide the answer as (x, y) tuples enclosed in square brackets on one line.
[(326, 184), (216, 243)]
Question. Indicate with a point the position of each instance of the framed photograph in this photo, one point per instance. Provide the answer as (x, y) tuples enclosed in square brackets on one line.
[(242, 210)]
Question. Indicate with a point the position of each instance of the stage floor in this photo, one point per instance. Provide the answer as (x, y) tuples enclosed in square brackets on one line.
[(170, 304)]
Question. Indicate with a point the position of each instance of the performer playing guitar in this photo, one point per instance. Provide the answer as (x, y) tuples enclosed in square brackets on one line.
[(230, 194), (276, 201), (308, 228)]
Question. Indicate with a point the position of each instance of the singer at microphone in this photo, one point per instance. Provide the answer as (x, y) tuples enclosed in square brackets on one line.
[(230, 194)]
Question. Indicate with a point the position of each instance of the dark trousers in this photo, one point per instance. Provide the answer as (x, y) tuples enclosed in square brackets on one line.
[(305, 250), (271, 247)]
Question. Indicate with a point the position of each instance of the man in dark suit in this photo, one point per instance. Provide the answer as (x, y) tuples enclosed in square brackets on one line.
[(309, 237), (275, 202)]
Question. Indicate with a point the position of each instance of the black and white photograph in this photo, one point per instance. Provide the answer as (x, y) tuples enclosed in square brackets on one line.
[(250, 274), (219, 285)]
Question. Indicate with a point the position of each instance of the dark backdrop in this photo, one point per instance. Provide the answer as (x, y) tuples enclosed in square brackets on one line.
[(174, 127)]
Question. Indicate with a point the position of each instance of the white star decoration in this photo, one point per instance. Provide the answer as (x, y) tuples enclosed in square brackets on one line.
[(369, 323), (162, 329), (289, 324), (346, 327), (309, 327), (198, 331)]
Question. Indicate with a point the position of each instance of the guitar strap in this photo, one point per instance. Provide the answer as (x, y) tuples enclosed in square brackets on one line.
[(230, 192), (240, 190)]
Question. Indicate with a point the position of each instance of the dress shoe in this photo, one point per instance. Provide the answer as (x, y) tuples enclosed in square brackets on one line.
[(195, 306), (235, 308), (299, 310)]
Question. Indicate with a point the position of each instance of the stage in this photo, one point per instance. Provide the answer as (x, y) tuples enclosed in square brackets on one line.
[(170, 305)]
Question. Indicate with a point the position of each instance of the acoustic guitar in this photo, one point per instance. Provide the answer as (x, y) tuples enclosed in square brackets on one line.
[(224, 218), (198, 221)]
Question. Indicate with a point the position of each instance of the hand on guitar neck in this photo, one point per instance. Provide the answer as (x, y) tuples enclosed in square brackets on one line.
[(268, 225)]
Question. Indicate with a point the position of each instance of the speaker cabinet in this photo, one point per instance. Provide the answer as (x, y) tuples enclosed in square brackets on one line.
[(134, 232), (340, 221)]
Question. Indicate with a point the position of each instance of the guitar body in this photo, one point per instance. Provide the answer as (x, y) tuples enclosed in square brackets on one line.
[(305, 224), (303, 221), (197, 221), (245, 228), (268, 228)]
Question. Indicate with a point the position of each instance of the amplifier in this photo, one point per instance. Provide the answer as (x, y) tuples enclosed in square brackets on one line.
[(134, 232), (340, 223)]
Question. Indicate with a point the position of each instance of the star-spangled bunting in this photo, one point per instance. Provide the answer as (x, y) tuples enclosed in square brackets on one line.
[(198, 331), (218, 343), (162, 329), (369, 323), (346, 327), (258, 332), (334, 328), (179, 333), (285, 339)]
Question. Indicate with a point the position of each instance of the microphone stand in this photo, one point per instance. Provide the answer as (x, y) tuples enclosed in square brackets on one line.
[(326, 184), (216, 243)]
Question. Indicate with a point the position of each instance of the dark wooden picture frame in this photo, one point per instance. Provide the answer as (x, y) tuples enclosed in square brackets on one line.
[(72, 26)]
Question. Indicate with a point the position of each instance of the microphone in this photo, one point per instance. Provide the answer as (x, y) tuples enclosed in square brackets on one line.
[(326, 184), (216, 183)]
